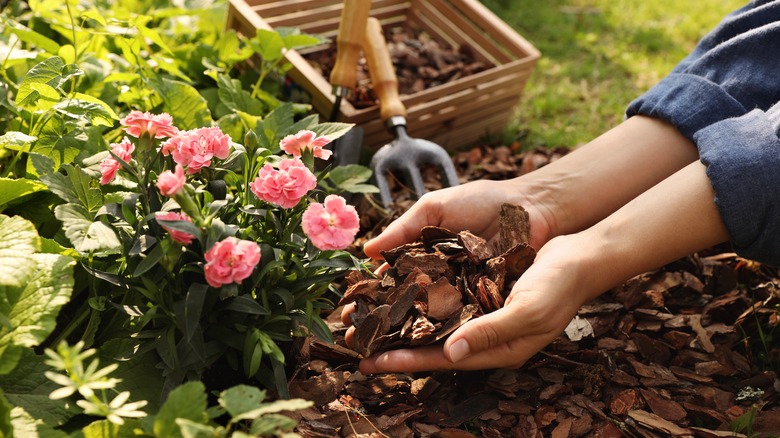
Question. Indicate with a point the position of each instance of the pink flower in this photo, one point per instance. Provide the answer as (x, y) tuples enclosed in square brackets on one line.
[(230, 261), (178, 236), (109, 166), (170, 183), (295, 144), (194, 149), (156, 126), (332, 225), (284, 186)]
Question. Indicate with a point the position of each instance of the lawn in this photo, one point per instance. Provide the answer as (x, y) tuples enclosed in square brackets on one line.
[(597, 56)]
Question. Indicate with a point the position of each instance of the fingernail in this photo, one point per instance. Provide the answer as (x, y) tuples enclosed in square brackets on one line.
[(459, 350)]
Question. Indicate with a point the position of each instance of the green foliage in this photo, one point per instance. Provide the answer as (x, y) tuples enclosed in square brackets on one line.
[(139, 316)]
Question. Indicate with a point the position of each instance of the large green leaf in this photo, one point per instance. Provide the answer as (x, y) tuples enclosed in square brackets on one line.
[(5, 416), (183, 102), (29, 36), (88, 112), (17, 141), (34, 96), (75, 188), (18, 242), (241, 399), (187, 401), (27, 426), (60, 141), (13, 189), (28, 388), (85, 234), (33, 315), (237, 99)]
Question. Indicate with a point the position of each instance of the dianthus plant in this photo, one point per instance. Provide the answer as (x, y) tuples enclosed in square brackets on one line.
[(208, 252)]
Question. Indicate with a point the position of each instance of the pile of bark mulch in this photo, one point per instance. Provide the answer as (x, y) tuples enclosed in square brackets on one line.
[(421, 62), (675, 352)]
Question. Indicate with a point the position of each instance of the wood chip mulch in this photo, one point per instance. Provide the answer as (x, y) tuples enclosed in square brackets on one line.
[(674, 352)]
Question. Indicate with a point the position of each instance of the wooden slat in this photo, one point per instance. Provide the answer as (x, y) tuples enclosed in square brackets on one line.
[(442, 15)]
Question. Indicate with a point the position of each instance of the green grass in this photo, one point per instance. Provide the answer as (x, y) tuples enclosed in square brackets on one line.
[(597, 56)]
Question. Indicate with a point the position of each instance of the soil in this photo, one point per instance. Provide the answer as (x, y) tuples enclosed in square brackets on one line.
[(674, 352)]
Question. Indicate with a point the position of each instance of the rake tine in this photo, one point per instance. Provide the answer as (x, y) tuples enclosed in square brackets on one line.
[(414, 177), (379, 167)]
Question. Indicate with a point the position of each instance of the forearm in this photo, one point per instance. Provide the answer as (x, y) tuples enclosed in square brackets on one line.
[(591, 182), (674, 218)]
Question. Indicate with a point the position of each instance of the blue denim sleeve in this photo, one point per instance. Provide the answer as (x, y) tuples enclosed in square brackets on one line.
[(742, 156), (733, 70), (725, 97)]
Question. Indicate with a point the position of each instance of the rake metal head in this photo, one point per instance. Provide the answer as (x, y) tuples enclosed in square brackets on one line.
[(408, 155)]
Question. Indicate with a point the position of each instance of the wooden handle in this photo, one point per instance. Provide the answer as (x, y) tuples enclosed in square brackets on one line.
[(349, 42), (382, 71)]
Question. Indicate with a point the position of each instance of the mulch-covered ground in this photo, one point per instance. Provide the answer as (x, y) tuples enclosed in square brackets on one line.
[(687, 350)]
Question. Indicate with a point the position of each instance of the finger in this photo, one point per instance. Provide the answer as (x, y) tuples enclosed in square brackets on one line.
[(349, 336), (346, 311), (431, 358), (406, 228), (490, 331)]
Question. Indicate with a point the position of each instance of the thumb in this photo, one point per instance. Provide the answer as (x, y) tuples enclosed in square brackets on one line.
[(484, 333), (401, 231)]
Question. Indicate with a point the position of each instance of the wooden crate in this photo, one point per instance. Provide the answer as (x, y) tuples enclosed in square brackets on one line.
[(455, 114)]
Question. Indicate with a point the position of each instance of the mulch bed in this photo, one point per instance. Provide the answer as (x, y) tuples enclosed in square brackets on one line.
[(669, 353)]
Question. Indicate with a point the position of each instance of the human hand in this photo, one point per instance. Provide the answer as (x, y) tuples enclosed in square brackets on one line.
[(540, 306), (473, 206)]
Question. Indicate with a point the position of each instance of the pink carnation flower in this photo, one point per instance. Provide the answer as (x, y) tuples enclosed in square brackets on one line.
[(155, 125), (286, 185), (295, 144), (109, 166), (170, 183), (231, 261), (332, 225), (194, 149), (178, 236)]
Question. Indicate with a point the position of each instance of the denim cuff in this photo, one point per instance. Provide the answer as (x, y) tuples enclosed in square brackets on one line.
[(742, 156), (687, 101)]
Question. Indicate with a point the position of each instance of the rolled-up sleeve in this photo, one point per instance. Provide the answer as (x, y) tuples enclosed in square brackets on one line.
[(742, 156), (733, 70), (725, 97)]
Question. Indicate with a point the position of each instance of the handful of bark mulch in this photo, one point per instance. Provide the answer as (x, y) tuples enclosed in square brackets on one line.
[(435, 285)]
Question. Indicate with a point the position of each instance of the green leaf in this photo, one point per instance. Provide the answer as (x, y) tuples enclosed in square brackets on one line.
[(237, 99), (95, 100), (32, 37), (274, 127), (27, 388), (352, 178), (18, 242), (86, 235), (193, 308), (33, 96), (191, 429), (187, 401), (60, 141), (29, 426), (75, 188), (272, 425), (16, 141), (274, 407), (48, 71), (107, 429), (6, 428), (268, 44), (244, 304), (149, 261), (332, 130), (183, 102), (13, 189), (34, 314), (294, 39), (138, 371), (241, 399), (87, 112)]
